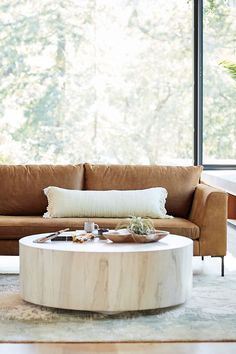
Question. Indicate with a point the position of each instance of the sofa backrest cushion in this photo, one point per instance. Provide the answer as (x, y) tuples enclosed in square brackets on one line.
[(21, 186), (179, 181)]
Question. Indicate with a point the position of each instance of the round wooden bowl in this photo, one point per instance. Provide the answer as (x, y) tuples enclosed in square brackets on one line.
[(124, 236), (118, 236), (156, 236)]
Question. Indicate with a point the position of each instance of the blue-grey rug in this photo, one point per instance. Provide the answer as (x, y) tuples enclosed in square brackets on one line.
[(210, 315)]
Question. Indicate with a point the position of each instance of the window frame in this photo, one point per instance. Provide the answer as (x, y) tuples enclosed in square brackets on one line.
[(198, 90)]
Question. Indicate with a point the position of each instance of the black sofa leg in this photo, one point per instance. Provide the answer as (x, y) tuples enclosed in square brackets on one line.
[(222, 266), (202, 258)]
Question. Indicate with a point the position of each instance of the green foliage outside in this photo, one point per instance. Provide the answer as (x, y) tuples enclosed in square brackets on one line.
[(219, 87), (111, 81), (231, 67)]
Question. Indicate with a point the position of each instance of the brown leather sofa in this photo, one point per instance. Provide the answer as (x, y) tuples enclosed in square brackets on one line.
[(200, 211)]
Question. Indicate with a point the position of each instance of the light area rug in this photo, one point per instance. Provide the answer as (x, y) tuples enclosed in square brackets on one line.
[(209, 315)]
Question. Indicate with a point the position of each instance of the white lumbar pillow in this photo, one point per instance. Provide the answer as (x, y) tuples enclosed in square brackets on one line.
[(114, 203)]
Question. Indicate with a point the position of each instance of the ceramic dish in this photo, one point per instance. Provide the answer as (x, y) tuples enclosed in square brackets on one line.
[(157, 236), (124, 236), (119, 236)]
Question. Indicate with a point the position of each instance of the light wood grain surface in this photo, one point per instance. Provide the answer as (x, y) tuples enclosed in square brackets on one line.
[(106, 277), (120, 348)]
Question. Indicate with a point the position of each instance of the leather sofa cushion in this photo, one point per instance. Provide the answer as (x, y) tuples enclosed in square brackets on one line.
[(179, 181), (15, 227), (22, 186), (9, 247)]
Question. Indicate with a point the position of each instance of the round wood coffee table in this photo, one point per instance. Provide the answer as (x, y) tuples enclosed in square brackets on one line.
[(106, 277)]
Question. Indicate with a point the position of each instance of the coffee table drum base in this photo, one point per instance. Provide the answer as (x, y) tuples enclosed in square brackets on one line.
[(105, 281)]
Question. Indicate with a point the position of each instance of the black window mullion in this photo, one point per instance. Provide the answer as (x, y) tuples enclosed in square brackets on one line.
[(198, 81)]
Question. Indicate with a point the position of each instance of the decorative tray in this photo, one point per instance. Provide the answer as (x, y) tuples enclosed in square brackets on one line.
[(125, 236)]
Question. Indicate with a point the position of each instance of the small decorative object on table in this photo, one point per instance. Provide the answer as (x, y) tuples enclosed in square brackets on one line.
[(82, 237), (136, 229), (100, 233), (90, 226), (51, 236), (118, 236)]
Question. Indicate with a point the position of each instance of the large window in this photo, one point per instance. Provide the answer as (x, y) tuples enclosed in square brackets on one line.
[(219, 82), (101, 81)]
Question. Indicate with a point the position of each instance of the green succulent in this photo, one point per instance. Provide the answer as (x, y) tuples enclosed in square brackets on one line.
[(138, 225)]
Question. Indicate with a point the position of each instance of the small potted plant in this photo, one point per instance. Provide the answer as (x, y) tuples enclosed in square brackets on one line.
[(141, 229)]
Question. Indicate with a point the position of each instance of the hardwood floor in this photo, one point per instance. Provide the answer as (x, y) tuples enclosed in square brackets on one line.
[(210, 265), (120, 348)]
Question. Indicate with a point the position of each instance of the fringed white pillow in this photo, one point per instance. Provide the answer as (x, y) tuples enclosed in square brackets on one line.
[(114, 203)]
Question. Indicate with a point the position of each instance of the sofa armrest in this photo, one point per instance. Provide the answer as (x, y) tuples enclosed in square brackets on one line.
[(209, 212)]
